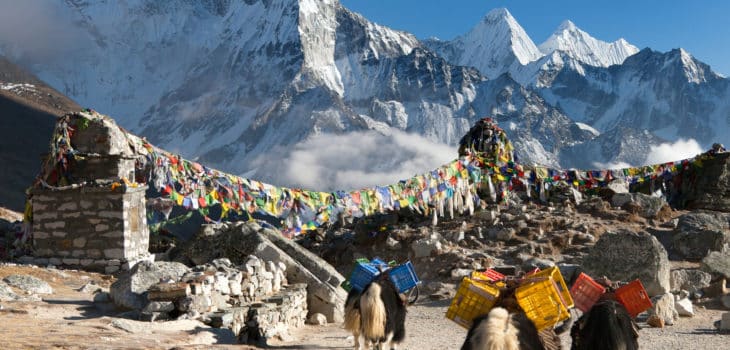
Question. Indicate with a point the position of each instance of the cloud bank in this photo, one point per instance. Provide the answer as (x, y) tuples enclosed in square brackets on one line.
[(352, 161), (667, 152)]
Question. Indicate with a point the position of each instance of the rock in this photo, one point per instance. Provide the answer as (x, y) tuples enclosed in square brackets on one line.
[(159, 306), (458, 274), (725, 323), (725, 300), (684, 307), (664, 308), (102, 297), (709, 189), (716, 289), (655, 321), (690, 280), (532, 263), (718, 263), (134, 327), (392, 244), (698, 233), (624, 255), (317, 319), (618, 186), (619, 199), (324, 294), (29, 284), (130, 289), (90, 287), (424, 247), (6, 293), (648, 206)]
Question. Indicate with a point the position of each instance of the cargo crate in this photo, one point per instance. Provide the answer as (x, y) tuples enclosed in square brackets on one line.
[(403, 276), (634, 298), (364, 273), (557, 277), (488, 275), (542, 302), (586, 292), (472, 300)]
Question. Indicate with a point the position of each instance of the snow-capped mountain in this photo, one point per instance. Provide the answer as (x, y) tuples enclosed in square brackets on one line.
[(581, 46), (495, 45), (672, 95), (230, 82)]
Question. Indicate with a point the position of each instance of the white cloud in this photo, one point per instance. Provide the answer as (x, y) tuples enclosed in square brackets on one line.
[(668, 152), (351, 161), (611, 165), (38, 30)]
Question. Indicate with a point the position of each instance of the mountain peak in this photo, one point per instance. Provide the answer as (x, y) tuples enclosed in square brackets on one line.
[(583, 47), (567, 25), (498, 13)]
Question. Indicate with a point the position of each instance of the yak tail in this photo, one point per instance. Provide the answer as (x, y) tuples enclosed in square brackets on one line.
[(373, 313), (500, 332), (352, 317)]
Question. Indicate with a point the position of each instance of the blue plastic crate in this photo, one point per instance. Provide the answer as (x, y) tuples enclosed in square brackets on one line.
[(403, 276), (362, 275)]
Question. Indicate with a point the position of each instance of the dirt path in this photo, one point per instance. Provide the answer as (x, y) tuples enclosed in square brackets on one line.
[(68, 319), (428, 329)]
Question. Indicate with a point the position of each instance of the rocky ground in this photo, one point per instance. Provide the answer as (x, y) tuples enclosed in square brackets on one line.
[(518, 237)]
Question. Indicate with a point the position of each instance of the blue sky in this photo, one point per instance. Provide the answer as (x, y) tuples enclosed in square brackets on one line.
[(699, 26)]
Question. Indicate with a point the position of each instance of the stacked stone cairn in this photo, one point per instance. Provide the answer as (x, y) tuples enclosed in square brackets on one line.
[(253, 300)]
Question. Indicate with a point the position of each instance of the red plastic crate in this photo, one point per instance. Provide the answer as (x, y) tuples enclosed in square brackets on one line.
[(586, 292), (633, 297), (488, 275)]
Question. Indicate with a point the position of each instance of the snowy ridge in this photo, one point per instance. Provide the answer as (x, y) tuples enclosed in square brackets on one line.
[(583, 47), (493, 46)]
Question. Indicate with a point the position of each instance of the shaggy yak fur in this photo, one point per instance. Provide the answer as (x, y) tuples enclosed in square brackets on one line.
[(606, 326), (376, 316), (501, 330)]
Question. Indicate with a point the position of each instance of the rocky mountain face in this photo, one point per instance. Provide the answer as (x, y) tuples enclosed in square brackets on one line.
[(28, 111), (225, 82)]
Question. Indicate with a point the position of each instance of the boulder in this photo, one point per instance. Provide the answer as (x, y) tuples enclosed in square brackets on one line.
[(684, 307), (130, 289), (625, 255), (424, 247), (718, 263), (648, 206), (317, 319), (664, 308), (6, 293), (710, 188), (698, 233), (29, 284), (690, 280)]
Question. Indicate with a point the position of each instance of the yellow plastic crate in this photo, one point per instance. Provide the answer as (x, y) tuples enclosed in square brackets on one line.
[(554, 273), (472, 299), (541, 301)]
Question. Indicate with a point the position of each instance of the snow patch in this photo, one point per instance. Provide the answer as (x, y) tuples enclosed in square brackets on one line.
[(588, 128)]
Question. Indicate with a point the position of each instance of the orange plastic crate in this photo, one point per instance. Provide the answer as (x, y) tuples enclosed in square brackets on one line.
[(586, 292), (557, 277), (472, 299), (540, 298), (634, 298)]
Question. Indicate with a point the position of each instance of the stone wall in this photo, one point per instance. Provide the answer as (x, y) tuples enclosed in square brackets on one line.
[(253, 299), (93, 228)]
